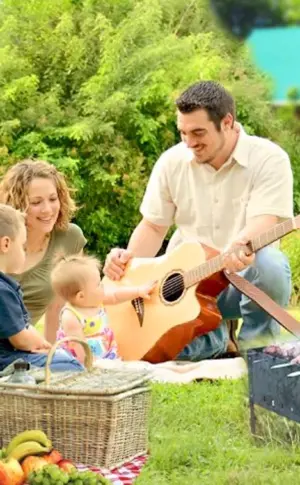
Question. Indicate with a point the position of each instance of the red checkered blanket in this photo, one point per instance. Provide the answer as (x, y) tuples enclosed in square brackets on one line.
[(125, 475)]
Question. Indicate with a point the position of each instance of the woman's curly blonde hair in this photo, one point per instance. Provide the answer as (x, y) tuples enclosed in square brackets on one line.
[(14, 188)]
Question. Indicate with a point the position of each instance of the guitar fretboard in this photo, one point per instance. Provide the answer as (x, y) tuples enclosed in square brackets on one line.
[(216, 264)]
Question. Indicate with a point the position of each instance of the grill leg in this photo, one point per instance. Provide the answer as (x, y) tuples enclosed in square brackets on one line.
[(252, 418)]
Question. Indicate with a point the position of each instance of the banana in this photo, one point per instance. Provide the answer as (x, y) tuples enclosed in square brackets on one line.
[(28, 448), (29, 435)]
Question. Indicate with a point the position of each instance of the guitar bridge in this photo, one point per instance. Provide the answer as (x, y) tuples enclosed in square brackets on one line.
[(138, 305)]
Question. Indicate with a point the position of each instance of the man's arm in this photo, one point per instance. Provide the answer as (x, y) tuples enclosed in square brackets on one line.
[(158, 210), (147, 238), (145, 242), (271, 201), (257, 225), (272, 191), (271, 198), (254, 227)]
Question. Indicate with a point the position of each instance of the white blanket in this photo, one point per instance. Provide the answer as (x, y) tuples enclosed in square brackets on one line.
[(179, 372)]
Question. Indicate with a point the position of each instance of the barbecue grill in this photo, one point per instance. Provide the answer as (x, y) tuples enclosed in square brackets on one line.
[(274, 384)]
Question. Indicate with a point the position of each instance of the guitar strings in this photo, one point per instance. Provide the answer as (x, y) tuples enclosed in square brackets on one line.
[(174, 284), (177, 282), (170, 287)]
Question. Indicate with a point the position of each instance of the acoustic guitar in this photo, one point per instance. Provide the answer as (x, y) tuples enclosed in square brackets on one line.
[(183, 304)]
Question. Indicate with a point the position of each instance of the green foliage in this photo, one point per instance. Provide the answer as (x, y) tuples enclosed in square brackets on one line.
[(290, 245), (90, 86), (291, 10), (293, 94)]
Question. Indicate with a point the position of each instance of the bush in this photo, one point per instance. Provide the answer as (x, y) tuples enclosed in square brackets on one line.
[(290, 245), (90, 86)]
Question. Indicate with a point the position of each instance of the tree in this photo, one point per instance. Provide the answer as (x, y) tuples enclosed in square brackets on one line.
[(240, 16), (291, 11), (90, 86)]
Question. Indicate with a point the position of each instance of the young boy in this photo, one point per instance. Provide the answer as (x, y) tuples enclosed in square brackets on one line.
[(19, 339)]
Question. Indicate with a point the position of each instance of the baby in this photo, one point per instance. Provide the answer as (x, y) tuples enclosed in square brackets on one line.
[(77, 280)]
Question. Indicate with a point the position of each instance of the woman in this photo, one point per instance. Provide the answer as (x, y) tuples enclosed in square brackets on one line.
[(40, 190)]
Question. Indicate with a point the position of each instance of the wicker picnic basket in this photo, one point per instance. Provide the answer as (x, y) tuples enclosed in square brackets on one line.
[(95, 417)]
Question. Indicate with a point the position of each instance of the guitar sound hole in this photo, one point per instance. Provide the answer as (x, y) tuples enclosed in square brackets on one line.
[(173, 287)]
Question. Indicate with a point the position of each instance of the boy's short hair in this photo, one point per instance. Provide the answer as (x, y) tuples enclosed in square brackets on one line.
[(11, 221), (70, 274)]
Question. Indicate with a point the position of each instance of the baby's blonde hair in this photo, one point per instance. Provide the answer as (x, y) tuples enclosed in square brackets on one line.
[(11, 220), (70, 274)]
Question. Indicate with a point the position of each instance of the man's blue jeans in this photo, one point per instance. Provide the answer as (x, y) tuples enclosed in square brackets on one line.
[(271, 273), (62, 360)]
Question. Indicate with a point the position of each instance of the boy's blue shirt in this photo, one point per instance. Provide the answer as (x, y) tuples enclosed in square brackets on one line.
[(13, 314)]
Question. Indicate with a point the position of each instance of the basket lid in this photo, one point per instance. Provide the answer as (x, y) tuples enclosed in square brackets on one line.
[(109, 378), (97, 381)]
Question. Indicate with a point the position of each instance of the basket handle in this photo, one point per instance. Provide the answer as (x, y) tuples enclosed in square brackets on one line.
[(88, 361)]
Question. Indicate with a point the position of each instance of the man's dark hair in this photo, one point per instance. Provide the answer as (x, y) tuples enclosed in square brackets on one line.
[(211, 97)]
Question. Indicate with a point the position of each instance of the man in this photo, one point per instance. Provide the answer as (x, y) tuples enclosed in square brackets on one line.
[(221, 187)]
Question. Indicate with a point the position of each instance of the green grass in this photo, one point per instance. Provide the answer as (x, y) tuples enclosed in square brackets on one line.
[(200, 433), (295, 312)]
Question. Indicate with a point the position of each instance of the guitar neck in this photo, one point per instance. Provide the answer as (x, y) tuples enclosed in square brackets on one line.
[(216, 264)]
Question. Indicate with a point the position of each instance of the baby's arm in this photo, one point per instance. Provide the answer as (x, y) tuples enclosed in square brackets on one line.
[(72, 328), (127, 293)]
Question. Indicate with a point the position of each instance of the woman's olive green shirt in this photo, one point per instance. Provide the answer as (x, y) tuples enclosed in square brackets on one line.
[(35, 282)]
